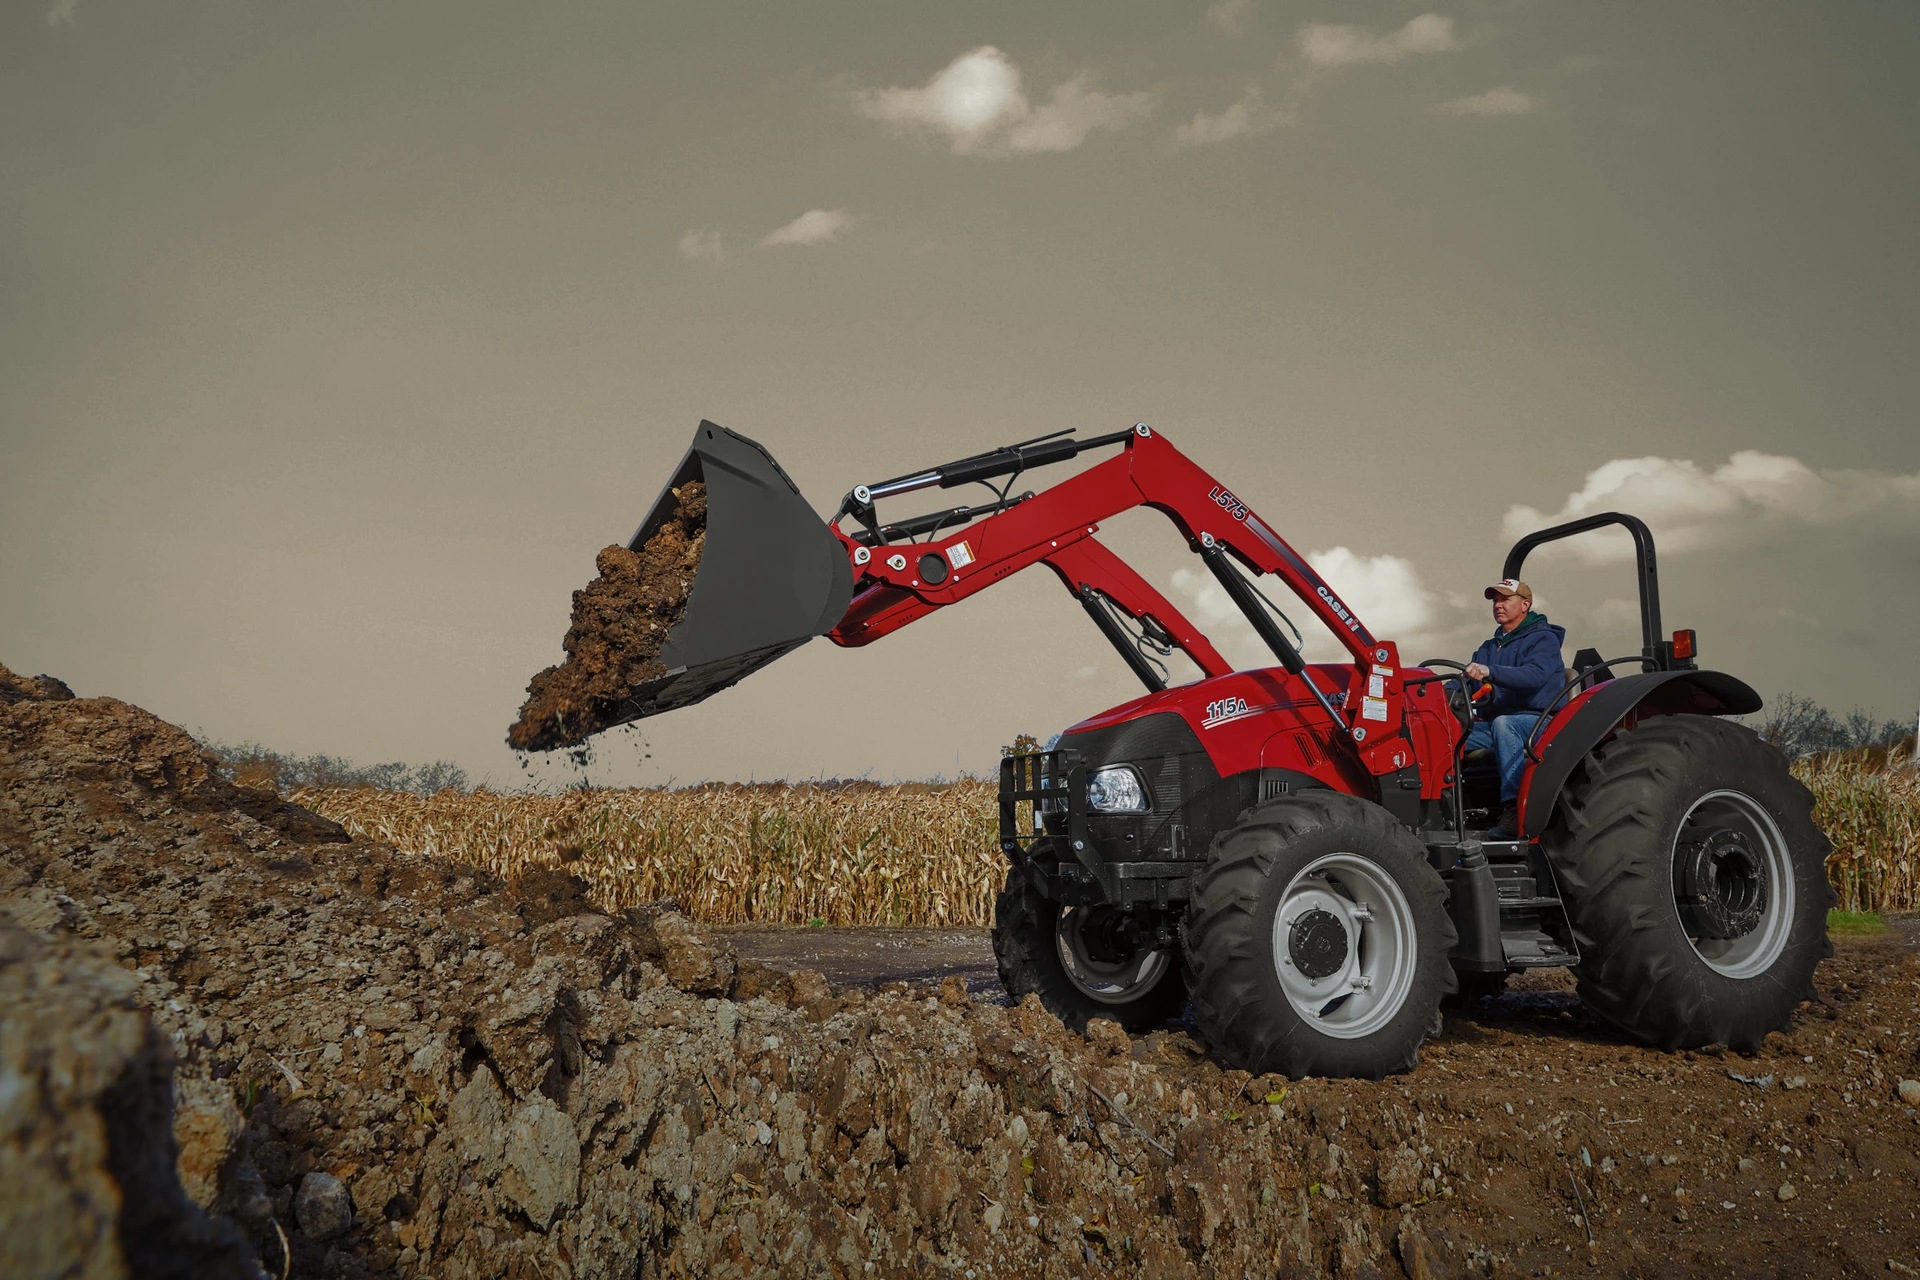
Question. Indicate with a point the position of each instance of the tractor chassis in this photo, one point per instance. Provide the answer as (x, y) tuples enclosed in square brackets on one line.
[(1502, 895)]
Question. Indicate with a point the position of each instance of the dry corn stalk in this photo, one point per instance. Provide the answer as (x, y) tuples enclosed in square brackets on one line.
[(915, 854), (1871, 812)]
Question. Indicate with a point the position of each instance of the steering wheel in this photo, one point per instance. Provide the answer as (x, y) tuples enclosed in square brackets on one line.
[(1460, 698)]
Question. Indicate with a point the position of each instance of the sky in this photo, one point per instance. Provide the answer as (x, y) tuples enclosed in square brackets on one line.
[(336, 339)]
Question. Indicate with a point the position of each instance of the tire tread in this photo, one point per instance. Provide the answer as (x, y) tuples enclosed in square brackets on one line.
[(1606, 847), (1225, 963)]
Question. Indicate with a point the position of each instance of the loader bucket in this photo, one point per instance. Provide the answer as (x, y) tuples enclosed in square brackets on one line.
[(770, 578)]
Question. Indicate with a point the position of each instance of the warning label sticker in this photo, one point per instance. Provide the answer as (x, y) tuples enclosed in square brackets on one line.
[(1373, 709), (1376, 685), (959, 555)]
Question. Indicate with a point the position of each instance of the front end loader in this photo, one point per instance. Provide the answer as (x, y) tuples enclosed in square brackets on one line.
[(1296, 853)]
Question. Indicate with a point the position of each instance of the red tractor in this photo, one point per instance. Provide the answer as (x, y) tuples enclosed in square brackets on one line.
[(1295, 852)]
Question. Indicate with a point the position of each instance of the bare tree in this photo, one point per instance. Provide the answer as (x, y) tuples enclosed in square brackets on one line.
[(1801, 727)]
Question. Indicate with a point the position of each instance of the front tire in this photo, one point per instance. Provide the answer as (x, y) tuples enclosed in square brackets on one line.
[(1318, 938), (1640, 809), (1077, 961)]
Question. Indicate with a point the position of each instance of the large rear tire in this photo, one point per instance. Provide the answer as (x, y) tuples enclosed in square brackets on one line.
[(1318, 938), (1078, 961), (1644, 808)]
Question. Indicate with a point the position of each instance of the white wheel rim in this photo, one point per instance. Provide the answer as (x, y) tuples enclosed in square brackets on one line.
[(1754, 953), (1371, 983), (1106, 982)]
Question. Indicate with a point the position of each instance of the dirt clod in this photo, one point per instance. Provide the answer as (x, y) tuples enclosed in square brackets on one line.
[(1107, 1036), (323, 1207), (88, 1184), (621, 621), (15, 688)]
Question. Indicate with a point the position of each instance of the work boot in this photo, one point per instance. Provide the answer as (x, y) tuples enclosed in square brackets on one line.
[(1508, 828)]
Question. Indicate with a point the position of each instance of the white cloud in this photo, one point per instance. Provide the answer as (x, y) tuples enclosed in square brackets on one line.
[(1220, 621), (702, 244), (1232, 16), (1504, 100), (1749, 499), (1210, 604), (1250, 115), (1385, 592), (1330, 44), (815, 226), (976, 102), (1615, 613), (1074, 112)]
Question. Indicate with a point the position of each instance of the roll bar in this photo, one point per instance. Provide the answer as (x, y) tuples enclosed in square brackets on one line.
[(1656, 649)]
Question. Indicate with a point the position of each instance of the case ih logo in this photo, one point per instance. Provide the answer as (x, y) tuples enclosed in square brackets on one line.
[(1333, 603), (1224, 710), (1228, 503)]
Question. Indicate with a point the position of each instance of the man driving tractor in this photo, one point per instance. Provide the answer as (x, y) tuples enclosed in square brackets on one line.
[(1522, 664)]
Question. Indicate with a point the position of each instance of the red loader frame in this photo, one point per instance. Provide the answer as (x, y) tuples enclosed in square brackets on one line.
[(896, 584)]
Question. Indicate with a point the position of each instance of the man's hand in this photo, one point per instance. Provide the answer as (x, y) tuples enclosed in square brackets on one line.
[(1477, 671)]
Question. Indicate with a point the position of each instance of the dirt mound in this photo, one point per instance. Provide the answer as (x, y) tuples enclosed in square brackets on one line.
[(86, 742), (403, 1066), (89, 1166), (15, 688), (620, 622)]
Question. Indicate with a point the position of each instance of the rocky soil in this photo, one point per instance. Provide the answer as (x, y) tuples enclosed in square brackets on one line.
[(869, 957), (233, 1041), (620, 622)]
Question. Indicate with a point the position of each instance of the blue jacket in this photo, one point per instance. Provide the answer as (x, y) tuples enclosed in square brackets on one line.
[(1524, 665)]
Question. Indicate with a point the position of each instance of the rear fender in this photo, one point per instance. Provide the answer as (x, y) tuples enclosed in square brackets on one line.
[(1582, 726)]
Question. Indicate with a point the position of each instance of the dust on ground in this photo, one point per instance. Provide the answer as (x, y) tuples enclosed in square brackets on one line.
[(357, 1062), (872, 957), (620, 622)]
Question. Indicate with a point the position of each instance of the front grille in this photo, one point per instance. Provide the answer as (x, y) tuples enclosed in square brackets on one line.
[(1188, 800)]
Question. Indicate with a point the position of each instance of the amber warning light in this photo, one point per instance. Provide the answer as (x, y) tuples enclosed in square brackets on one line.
[(1683, 645)]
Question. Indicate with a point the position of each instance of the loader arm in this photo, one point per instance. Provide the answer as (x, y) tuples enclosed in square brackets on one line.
[(771, 574), (1088, 564), (897, 583)]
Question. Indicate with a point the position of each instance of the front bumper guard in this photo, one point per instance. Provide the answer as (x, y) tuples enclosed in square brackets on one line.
[(1055, 784)]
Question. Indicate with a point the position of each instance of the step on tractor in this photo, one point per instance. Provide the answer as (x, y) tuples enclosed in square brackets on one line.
[(1297, 854)]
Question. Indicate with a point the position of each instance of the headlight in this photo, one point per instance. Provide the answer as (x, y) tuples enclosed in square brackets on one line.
[(1117, 790)]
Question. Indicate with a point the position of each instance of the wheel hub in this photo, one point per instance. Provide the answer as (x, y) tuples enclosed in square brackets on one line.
[(1317, 943), (1343, 945), (1721, 884), (1111, 956), (1733, 884), (1113, 937)]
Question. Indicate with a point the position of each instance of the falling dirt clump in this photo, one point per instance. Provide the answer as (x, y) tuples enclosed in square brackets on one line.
[(621, 621)]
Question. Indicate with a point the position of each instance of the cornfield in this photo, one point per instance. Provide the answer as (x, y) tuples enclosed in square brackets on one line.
[(914, 854), (1871, 812)]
